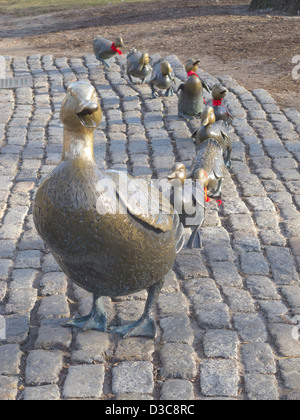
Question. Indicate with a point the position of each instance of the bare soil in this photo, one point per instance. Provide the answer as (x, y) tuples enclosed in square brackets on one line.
[(254, 48)]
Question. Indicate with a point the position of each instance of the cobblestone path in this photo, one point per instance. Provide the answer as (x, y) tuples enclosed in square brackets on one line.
[(226, 314)]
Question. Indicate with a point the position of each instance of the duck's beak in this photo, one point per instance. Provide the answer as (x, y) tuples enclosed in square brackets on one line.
[(86, 112), (205, 122), (172, 175)]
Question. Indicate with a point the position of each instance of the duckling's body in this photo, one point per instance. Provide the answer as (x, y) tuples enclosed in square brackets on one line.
[(221, 112), (105, 49), (162, 77), (208, 167), (190, 102), (218, 130), (188, 198), (138, 65), (104, 250)]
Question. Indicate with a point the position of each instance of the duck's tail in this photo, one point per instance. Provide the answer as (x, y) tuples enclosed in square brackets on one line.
[(178, 232)]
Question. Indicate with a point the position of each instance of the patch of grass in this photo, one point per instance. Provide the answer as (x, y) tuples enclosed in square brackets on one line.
[(30, 7)]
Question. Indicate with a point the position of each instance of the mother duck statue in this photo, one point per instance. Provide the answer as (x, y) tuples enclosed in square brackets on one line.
[(108, 253)]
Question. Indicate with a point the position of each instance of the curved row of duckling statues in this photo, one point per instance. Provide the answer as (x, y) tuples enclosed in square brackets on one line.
[(213, 139), (102, 238)]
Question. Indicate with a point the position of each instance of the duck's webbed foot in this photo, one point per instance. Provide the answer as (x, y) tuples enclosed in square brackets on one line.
[(96, 320), (145, 326), (153, 93), (103, 62), (169, 92), (195, 240), (185, 116)]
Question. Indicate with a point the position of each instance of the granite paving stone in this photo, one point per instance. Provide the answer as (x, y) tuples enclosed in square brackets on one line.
[(84, 382), (219, 378), (133, 377), (43, 367), (228, 313), (177, 389)]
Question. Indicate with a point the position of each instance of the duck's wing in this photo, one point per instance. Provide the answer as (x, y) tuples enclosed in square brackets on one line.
[(218, 167), (143, 200), (180, 87), (206, 87), (101, 44), (132, 61)]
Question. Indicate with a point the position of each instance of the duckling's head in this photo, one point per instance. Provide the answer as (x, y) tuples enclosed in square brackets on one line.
[(81, 111), (119, 42), (191, 65), (178, 172), (165, 68), (208, 116), (144, 60), (218, 91)]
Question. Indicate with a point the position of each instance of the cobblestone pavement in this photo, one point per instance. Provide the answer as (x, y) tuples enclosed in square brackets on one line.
[(226, 313)]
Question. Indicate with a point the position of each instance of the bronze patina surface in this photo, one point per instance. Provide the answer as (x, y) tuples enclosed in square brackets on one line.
[(190, 102), (218, 130), (191, 65), (189, 200), (106, 252), (105, 49), (162, 77), (138, 65), (221, 112), (208, 167)]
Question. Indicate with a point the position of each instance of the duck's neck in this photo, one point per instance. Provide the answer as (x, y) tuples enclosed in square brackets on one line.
[(78, 146)]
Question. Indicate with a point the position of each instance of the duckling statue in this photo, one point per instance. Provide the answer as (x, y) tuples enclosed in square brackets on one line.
[(218, 130), (191, 67), (138, 65), (221, 112), (105, 49), (208, 167), (98, 233), (188, 198), (191, 101), (162, 77)]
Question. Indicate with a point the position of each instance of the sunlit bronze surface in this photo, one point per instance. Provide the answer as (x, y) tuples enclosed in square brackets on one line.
[(106, 254), (190, 198), (218, 130), (208, 167)]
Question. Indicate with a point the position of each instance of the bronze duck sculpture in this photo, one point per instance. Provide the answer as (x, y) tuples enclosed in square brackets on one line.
[(162, 77), (99, 235), (191, 101), (188, 198), (218, 130), (208, 167), (218, 93), (191, 67), (105, 49), (138, 65)]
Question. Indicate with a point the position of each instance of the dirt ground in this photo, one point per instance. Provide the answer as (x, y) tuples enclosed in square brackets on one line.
[(255, 48)]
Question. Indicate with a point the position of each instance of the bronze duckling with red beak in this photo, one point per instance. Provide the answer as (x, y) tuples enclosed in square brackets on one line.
[(218, 130), (101, 237), (138, 65), (105, 49)]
